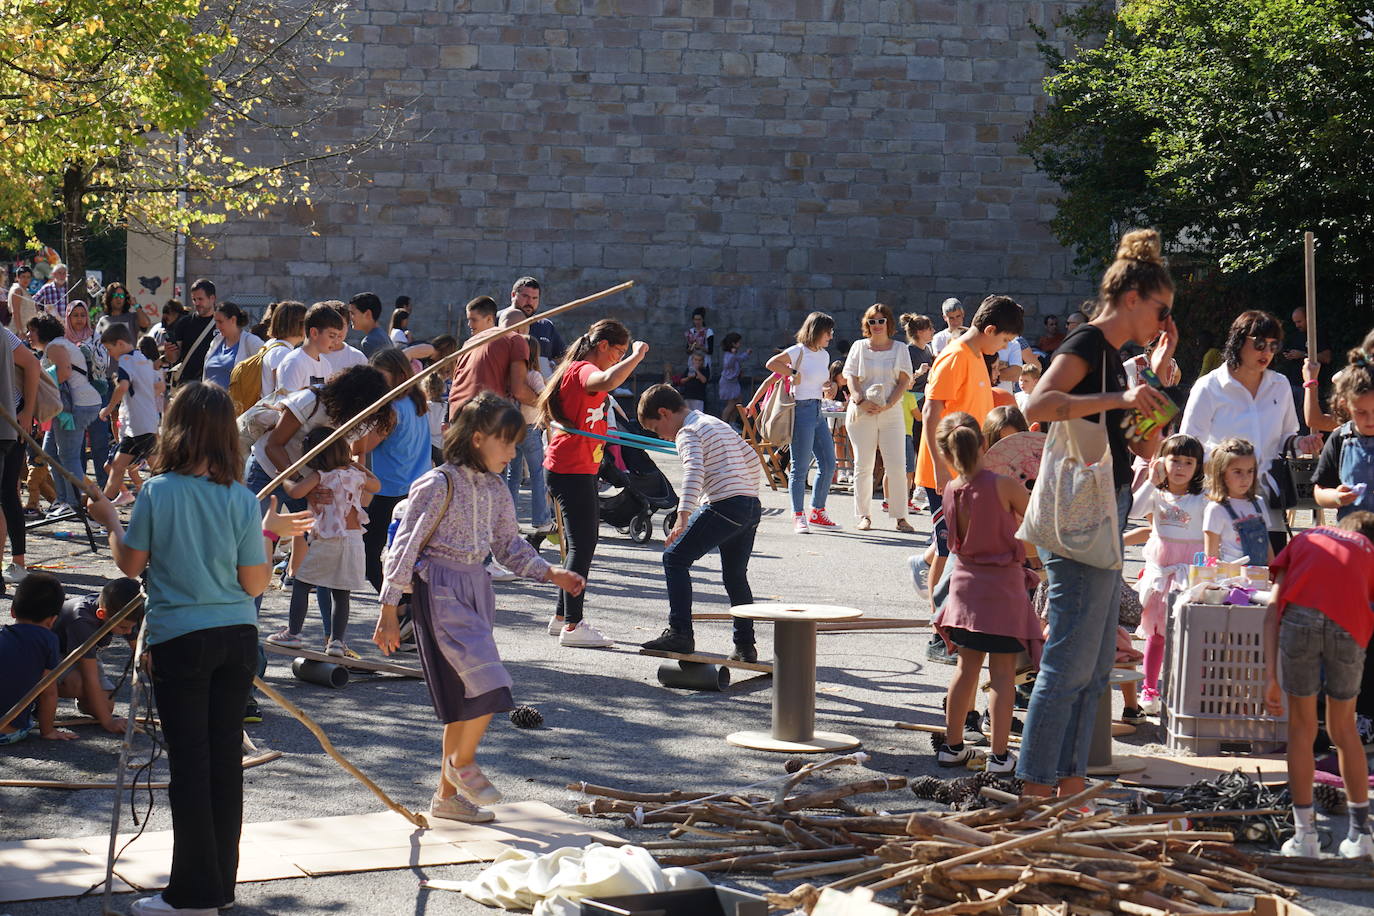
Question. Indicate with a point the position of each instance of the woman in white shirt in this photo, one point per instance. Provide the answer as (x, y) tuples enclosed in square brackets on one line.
[(1244, 398), (63, 439), (806, 366), (878, 372)]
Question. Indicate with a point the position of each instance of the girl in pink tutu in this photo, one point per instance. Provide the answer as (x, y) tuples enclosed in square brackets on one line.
[(1171, 500)]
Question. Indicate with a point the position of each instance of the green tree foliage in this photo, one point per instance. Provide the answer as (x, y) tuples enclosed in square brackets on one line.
[(1232, 125), (147, 113)]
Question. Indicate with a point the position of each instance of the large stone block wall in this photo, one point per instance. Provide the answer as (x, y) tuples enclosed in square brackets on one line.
[(762, 158)]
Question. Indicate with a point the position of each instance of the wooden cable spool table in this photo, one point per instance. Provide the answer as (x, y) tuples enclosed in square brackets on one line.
[(794, 679)]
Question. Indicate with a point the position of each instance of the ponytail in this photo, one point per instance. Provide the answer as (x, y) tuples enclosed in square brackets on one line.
[(960, 442)]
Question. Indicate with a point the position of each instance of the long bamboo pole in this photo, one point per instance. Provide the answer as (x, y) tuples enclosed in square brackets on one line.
[(81, 482), (427, 371), (135, 688), (1309, 258)]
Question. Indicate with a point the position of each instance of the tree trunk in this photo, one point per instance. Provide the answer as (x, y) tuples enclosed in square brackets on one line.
[(75, 231)]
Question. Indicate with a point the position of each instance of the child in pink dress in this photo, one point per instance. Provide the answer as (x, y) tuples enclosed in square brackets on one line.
[(1171, 500), (988, 611)]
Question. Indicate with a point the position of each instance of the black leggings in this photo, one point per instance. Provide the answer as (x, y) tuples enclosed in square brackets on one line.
[(334, 613), (577, 500), (10, 503), (379, 513)]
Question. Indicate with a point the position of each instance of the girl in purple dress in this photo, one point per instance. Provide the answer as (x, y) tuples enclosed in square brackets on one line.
[(454, 516), (988, 611)]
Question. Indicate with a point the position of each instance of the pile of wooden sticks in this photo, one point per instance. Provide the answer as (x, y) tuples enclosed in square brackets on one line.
[(1020, 851)]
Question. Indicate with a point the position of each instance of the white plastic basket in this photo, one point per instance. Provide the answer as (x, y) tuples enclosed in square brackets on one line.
[(1217, 676)]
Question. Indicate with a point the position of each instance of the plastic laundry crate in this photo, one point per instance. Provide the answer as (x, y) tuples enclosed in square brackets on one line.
[(1217, 676)]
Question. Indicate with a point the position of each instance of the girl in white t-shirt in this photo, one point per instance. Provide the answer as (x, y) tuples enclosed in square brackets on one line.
[(1171, 501), (807, 364), (1236, 523)]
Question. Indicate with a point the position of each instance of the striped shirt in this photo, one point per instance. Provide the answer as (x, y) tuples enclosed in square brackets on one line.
[(716, 463)]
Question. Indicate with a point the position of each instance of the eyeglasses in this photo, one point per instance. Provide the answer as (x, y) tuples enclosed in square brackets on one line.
[(873, 321), (1264, 343)]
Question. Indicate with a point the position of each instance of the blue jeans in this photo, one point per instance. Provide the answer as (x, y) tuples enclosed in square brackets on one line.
[(810, 438), (99, 433), (65, 446), (729, 525), (530, 454), (1084, 606)]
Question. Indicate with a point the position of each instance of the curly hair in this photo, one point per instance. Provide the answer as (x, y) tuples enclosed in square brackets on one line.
[(350, 392), (1254, 323)]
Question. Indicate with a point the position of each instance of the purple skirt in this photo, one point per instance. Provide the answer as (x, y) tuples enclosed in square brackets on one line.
[(446, 691)]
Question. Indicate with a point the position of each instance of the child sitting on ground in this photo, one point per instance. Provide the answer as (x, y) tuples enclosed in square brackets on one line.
[(79, 619), (1235, 524), (28, 651), (988, 610), (1320, 623), (335, 559)]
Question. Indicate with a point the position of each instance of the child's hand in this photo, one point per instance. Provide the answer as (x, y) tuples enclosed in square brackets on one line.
[(1346, 494), (1273, 698), (104, 512), (57, 734), (287, 524), (567, 580), (1158, 476), (104, 413), (1310, 368), (387, 633)]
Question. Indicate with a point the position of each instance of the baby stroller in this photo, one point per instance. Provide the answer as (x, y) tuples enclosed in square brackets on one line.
[(643, 490)]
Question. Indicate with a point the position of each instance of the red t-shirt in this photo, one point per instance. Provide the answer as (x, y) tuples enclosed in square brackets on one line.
[(486, 368), (569, 453), (1330, 570)]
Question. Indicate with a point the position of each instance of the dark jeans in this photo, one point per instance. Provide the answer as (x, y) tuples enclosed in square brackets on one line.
[(98, 450), (201, 681), (379, 513), (10, 503), (729, 525), (577, 499)]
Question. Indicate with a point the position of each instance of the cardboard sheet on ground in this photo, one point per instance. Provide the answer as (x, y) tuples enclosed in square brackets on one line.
[(273, 850), (1171, 772)]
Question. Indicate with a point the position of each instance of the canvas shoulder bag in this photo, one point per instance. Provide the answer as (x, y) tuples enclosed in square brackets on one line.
[(1072, 509), (778, 413)]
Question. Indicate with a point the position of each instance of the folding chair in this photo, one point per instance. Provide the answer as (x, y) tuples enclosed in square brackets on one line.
[(767, 452)]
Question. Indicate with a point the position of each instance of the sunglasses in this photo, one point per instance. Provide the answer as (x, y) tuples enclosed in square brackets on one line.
[(1165, 310), (877, 321), (1264, 343)]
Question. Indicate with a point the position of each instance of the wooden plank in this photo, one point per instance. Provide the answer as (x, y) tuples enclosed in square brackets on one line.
[(360, 664), (706, 658), (873, 623)]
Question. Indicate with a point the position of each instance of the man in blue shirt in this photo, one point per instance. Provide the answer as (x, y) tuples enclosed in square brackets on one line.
[(524, 302)]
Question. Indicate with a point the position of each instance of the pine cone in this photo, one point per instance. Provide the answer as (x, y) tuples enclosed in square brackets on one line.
[(526, 717), (793, 764), (1329, 798), (927, 787)]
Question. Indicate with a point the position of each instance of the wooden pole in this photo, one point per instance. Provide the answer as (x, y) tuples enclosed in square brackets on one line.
[(71, 659), (135, 687), (82, 483), (1309, 257), (417, 819), (427, 371)]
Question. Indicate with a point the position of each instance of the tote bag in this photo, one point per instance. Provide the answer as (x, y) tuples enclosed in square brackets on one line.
[(1072, 509), (779, 408)]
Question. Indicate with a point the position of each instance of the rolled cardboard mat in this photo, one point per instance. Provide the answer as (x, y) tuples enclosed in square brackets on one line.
[(323, 673), (693, 675)]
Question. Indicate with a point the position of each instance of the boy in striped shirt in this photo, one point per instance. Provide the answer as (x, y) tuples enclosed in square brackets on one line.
[(720, 481)]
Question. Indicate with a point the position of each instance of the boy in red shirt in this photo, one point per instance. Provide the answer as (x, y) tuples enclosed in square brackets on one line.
[(1321, 620)]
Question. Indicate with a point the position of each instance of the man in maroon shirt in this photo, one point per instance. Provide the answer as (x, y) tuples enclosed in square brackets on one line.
[(499, 366)]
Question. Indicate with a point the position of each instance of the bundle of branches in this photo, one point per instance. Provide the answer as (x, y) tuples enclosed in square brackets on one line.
[(1023, 851), (1263, 814)]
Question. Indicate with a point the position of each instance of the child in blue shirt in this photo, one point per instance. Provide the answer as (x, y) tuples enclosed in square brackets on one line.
[(28, 651)]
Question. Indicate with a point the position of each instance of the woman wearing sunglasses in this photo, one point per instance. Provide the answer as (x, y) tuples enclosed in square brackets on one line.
[(1245, 398), (878, 372)]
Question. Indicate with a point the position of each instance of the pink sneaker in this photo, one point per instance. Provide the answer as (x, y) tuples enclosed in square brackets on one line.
[(1149, 701), (819, 519), (799, 523)]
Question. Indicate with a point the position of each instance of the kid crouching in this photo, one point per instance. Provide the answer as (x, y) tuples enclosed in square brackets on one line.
[(1320, 623)]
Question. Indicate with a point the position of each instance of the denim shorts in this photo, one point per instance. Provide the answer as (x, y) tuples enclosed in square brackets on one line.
[(1318, 654)]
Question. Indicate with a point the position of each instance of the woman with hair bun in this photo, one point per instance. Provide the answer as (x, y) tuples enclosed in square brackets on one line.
[(1086, 380)]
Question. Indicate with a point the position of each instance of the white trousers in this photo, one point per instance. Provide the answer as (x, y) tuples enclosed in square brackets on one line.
[(867, 434)]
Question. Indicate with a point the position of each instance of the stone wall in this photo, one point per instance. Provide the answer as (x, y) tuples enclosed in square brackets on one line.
[(761, 158)]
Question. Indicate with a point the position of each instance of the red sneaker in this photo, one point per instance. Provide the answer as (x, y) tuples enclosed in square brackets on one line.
[(819, 519)]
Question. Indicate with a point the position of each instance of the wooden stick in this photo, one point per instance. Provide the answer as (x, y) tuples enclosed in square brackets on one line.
[(82, 483), (58, 784), (417, 819), (827, 868), (1309, 259), (425, 373), (72, 658), (135, 686)]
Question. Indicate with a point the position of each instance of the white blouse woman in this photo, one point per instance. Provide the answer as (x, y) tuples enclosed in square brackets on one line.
[(878, 372)]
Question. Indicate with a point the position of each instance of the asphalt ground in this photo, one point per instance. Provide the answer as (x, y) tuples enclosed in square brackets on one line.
[(607, 720)]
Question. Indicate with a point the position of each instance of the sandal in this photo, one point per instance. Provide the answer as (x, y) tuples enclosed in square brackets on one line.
[(905, 526), (865, 523)]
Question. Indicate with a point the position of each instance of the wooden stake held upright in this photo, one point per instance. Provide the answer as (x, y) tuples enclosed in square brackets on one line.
[(1309, 257)]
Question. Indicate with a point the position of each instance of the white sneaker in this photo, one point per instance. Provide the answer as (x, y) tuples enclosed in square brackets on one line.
[(948, 757), (1005, 766), (583, 636), (1363, 848), (799, 524), (544, 528), (286, 639), (556, 625), (156, 906), (1303, 845), (499, 573), (15, 574), (919, 568), (339, 649)]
